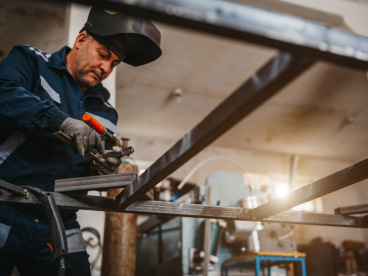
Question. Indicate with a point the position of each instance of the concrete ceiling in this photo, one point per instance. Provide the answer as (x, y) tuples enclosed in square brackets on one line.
[(322, 113)]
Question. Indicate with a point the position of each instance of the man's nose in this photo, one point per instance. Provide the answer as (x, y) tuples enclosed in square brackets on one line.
[(105, 67)]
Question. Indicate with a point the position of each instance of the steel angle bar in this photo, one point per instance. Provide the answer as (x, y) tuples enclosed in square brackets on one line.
[(67, 201), (238, 213), (189, 210), (352, 210), (279, 71), (317, 219), (326, 185), (85, 202), (252, 24), (100, 182), (98, 203)]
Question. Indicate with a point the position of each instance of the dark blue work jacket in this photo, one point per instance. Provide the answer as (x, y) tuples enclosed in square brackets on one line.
[(36, 94)]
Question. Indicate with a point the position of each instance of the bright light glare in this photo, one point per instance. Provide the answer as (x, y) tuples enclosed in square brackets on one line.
[(281, 190)]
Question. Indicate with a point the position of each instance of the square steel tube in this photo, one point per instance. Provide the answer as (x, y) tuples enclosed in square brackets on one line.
[(252, 24), (279, 71)]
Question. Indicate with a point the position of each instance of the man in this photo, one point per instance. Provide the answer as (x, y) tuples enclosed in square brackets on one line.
[(43, 93)]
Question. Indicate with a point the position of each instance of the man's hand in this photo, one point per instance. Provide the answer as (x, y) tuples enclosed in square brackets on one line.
[(85, 137), (102, 166)]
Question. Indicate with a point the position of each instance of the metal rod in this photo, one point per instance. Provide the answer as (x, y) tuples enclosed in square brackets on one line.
[(248, 23), (280, 70), (326, 185)]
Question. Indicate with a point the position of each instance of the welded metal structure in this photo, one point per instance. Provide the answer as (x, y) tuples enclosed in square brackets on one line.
[(300, 44)]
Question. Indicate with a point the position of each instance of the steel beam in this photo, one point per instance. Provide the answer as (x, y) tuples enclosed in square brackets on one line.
[(247, 23), (279, 71), (324, 186)]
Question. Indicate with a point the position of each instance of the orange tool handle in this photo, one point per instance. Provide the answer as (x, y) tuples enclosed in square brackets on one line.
[(93, 123)]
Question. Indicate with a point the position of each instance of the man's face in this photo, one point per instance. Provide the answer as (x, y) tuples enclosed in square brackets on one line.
[(92, 63)]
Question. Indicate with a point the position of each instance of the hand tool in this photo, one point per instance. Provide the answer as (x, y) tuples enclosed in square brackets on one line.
[(114, 141), (93, 123)]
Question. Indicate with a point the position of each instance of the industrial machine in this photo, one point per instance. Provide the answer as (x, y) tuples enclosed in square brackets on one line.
[(182, 245)]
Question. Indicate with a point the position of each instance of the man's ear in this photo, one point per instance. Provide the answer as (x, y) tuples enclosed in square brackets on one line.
[(81, 40)]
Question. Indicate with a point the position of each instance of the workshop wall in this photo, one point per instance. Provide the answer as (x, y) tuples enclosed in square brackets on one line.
[(43, 25)]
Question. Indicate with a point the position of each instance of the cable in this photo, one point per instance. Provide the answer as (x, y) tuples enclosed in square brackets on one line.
[(189, 175)]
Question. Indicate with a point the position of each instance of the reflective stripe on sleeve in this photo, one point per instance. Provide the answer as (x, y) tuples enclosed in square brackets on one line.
[(52, 93), (40, 53), (75, 240)]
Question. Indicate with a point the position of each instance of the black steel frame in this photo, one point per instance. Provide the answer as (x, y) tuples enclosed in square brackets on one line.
[(300, 42)]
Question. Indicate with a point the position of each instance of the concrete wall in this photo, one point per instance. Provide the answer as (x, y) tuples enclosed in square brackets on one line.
[(42, 24)]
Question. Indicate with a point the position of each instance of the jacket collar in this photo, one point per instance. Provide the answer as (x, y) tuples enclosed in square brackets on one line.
[(100, 91), (58, 59)]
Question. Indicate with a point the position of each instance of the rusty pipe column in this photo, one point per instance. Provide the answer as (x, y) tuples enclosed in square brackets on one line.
[(120, 237)]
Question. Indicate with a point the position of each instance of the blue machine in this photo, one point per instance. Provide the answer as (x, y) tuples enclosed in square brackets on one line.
[(175, 248)]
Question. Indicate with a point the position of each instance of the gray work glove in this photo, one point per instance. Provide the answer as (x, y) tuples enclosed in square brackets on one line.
[(102, 166), (85, 137)]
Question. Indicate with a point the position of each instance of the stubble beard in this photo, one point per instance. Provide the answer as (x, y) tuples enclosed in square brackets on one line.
[(84, 80)]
